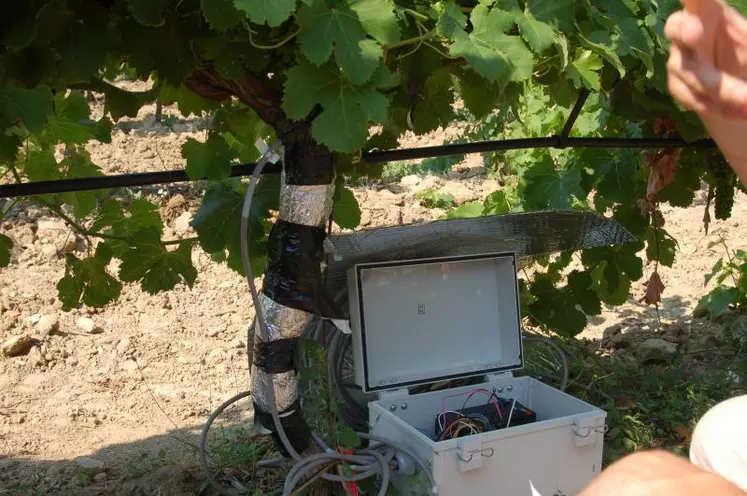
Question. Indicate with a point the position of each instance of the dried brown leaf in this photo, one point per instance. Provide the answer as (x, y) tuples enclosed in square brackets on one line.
[(654, 289), (663, 168)]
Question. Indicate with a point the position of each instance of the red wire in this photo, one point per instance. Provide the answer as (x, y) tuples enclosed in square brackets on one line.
[(472, 393)]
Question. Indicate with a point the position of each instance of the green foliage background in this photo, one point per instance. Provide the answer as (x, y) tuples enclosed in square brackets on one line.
[(257, 67)]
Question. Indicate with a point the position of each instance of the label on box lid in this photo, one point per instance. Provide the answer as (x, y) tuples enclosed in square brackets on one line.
[(428, 320)]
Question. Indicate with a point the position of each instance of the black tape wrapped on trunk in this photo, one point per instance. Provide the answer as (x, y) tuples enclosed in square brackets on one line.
[(293, 275), (276, 357), (294, 425)]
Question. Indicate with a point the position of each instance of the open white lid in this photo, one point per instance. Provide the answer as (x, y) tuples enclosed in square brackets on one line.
[(427, 320)]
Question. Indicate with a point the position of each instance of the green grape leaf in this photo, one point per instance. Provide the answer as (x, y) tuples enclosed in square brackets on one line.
[(154, 266), (348, 438), (87, 282), (218, 222), (617, 262), (343, 124), (498, 203), (30, 108), (111, 220), (548, 187), (434, 106), (64, 131), (101, 130), (41, 166), (538, 35), (479, 94), (593, 42), (635, 41), (220, 14), (187, 101), (492, 54), (555, 308), (451, 20), (121, 103), (717, 302), (148, 12), (559, 13), (378, 19), (6, 245), (211, 160), (629, 215), (584, 70), (9, 147), (347, 212), (659, 246), (338, 29), (76, 165), (73, 107), (272, 12), (466, 210), (603, 288), (681, 191), (619, 183), (581, 286)]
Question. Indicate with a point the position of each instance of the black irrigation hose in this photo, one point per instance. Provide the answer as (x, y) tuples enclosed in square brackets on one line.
[(174, 176)]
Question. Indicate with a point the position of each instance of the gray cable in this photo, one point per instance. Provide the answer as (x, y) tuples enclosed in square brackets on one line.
[(310, 465)]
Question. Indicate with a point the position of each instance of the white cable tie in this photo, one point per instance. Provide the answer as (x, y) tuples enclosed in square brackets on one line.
[(262, 147), (342, 325)]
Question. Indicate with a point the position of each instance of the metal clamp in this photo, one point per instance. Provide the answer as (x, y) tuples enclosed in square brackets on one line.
[(588, 430), (474, 452)]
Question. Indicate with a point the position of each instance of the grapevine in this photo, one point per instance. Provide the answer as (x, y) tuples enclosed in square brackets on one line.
[(357, 74)]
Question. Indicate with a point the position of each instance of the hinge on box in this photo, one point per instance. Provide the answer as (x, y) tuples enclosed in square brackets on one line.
[(496, 376), (392, 398), (471, 453)]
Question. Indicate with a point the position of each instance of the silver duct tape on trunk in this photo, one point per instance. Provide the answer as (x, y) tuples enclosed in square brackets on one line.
[(285, 384), (306, 205), (283, 322)]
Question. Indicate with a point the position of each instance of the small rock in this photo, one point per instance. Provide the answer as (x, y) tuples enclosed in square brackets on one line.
[(48, 324), (35, 357), (34, 318), (90, 464), (410, 181), (49, 251), (47, 226), (149, 155), (215, 356), (87, 324), (130, 366), (611, 331), (656, 350), (214, 331), (17, 345), (460, 192), (183, 223), (100, 477), (123, 346), (619, 341), (237, 343)]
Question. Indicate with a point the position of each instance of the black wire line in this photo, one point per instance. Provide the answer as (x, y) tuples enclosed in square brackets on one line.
[(174, 176)]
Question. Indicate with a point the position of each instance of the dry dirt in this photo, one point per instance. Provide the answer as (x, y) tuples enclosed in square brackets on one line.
[(140, 376)]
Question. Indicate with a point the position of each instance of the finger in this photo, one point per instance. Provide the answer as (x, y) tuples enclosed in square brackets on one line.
[(685, 29), (682, 63), (687, 97)]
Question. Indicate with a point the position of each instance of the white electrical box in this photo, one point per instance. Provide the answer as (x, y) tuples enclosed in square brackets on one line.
[(423, 321)]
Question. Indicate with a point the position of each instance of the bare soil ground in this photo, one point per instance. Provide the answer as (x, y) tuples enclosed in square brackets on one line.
[(131, 389)]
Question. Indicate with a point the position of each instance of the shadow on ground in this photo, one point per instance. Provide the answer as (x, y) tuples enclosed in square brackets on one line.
[(654, 381)]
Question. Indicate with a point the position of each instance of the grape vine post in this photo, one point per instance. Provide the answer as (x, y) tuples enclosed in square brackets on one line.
[(332, 79)]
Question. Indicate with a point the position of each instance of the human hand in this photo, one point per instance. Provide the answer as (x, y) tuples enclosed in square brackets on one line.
[(658, 473), (708, 58)]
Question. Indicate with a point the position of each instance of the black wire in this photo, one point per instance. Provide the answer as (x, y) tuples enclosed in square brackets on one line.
[(575, 112), (147, 178)]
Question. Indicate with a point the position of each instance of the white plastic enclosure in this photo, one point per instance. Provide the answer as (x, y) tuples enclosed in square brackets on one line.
[(428, 320)]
